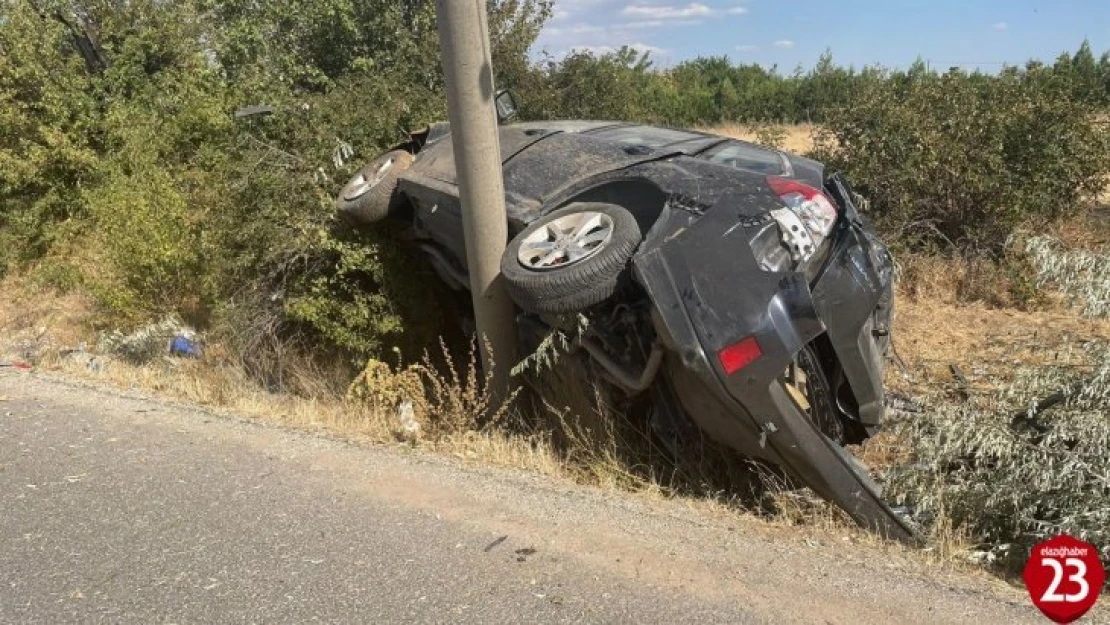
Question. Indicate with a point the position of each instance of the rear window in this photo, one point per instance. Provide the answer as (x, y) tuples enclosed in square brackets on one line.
[(747, 156), (647, 136)]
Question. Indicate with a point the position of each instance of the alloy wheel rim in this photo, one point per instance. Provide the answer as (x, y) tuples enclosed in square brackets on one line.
[(362, 183), (566, 240)]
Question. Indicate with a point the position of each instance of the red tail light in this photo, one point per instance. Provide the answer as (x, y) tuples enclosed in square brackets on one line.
[(808, 218), (739, 355), (786, 186)]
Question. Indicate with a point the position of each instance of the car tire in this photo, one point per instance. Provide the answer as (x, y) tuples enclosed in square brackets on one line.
[(371, 194), (570, 259), (818, 394)]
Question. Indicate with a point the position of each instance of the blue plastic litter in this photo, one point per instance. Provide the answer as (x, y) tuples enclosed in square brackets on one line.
[(184, 346)]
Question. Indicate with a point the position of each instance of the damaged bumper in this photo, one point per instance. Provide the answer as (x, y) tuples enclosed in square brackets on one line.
[(709, 292)]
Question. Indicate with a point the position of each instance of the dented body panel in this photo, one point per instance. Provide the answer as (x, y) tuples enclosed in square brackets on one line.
[(712, 267)]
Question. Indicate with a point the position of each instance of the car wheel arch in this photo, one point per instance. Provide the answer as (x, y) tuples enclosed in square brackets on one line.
[(639, 196)]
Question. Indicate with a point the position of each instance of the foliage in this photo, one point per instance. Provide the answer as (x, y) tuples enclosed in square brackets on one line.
[(117, 140), (48, 133), (122, 169), (1082, 274), (770, 135), (433, 403), (1008, 471), (1012, 485), (625, 84), (958, 160)]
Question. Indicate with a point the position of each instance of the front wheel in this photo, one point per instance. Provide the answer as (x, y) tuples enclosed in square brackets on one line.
[(371, 195), (570, 259)]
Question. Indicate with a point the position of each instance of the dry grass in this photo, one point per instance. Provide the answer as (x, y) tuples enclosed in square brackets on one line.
[(797, 139), (932, 334), (40, 327), (576, 433), (581, 437)]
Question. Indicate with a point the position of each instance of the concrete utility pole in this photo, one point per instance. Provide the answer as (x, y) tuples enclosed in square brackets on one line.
[(464, 40)]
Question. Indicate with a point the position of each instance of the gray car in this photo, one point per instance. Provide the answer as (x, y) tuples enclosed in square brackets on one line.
[(735, 287)]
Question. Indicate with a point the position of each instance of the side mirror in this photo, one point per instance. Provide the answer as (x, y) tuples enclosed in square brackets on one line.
[(505, 102)]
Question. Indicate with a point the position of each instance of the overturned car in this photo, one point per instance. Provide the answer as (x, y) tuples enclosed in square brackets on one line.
[(736, 286)]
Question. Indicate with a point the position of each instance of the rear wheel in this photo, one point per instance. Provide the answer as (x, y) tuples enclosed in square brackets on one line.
[(807, 382), (570, 259)]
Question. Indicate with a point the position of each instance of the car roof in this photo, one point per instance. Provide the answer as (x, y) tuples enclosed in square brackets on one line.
[(654, 137), (683, 140), (568, 125)]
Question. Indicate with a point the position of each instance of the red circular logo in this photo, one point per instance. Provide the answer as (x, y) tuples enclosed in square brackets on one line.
[(1064, 577)]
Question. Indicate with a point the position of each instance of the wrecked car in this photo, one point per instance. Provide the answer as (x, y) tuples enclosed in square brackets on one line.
[(737, 287)]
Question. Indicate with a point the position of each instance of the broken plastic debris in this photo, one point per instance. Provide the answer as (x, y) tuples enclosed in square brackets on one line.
[(182, 345), (407, 416)]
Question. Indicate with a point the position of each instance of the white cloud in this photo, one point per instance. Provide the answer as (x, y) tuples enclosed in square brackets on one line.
[(654, 24), (667, 12), (602, 26), (785, 44), (564, 9), (747, 48), (639, 47), (586, 29), (1000, 26)]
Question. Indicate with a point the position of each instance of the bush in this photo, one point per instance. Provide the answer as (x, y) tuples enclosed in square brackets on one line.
[(958, 161), (1011, 468), (48, 133), (975, 466), (122, 167), (117, 142)]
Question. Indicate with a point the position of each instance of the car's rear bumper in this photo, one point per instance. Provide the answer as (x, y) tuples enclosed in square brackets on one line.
[(708, 294)]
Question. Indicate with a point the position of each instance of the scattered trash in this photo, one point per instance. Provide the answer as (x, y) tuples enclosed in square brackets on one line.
[(152, 341), (490, 547), (406, 414), (82, 356), (185, 346), (15, 364)]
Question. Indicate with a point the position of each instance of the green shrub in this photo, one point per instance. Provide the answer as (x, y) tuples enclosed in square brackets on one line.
[(136, 163), (1011, 475), (1011, 486), (145, 232), (958, 161), (1083, 274), (122, 165), (48, 133)]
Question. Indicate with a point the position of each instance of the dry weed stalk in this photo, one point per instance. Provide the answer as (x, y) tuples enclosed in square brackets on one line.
[(444, 403)]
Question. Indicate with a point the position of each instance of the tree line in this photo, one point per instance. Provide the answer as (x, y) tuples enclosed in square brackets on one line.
[(710, 90)]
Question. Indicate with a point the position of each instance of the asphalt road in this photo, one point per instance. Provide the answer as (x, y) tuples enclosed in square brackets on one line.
[(131, 510)]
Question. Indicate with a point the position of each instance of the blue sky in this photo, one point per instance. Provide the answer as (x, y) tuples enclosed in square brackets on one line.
[(984, 33)]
